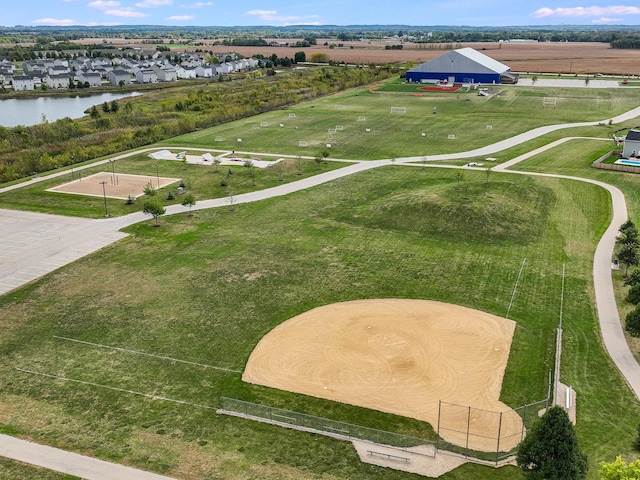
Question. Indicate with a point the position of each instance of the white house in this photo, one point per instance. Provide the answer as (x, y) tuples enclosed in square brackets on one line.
[(186, 73), (57, 81), (166, 74), (205, 71), (58, 70), (117, 76), (224, 68), (146, 75), (22, 82), (631, 144), (94, 79)]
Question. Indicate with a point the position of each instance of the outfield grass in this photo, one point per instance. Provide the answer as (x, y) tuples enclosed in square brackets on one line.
[(208, 288), (467, 116), (11, 470)]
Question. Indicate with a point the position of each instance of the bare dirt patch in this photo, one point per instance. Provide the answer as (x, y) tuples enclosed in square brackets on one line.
[(119, 185), (401, 357)]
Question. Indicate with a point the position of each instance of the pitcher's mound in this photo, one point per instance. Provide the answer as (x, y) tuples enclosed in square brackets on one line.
[(402, 357)]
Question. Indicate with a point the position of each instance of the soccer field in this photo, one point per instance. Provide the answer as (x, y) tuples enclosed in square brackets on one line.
[(360, 125)]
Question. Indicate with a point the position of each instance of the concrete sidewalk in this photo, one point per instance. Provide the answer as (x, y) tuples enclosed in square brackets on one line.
[(70, 463)]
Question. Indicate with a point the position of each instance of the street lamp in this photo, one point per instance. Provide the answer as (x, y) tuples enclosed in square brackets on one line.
[(157, 175), (113, 171), (104, 195), (73, 161)]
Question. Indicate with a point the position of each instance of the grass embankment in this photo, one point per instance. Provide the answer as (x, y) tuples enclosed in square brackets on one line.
[(11, 470), (207, 288), (203, 181), (342, 120)]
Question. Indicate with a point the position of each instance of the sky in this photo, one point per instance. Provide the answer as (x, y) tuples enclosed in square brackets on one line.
[(318, 12)]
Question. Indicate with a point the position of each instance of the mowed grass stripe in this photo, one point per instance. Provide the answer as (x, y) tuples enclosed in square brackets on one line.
[(161, 357)]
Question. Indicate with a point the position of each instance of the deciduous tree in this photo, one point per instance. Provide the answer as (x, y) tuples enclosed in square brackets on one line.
[(154, 208)]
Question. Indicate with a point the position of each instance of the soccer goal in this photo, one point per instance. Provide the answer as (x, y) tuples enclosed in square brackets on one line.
[(264, 124), (549, 102), (362, 118), (219, 139), (302, 143), (398, 110), (292, 115)]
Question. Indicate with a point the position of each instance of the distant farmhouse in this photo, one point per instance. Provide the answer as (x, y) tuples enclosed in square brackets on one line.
[(464, 65)]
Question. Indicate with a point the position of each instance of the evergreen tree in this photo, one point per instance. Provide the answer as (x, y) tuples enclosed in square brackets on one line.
[(550, 450)]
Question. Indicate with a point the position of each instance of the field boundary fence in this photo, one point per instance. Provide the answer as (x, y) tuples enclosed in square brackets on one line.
[(496, 441), (325, 426)]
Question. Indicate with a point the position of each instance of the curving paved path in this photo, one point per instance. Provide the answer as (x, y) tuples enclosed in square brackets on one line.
[(36, 244)]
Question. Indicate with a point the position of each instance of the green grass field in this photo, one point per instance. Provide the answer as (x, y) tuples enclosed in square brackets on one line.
[(203, 181), (467, 116), (207, 288)]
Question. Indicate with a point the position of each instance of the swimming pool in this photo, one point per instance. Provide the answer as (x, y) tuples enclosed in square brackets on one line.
[(626, 161)]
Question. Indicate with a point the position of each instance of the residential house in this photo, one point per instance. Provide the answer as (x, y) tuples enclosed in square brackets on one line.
[(186, 73), (94, 79), (205, 71), (57, 81), (23, 82), (146, 75), (165, 74), (117, 76), (632, 144)]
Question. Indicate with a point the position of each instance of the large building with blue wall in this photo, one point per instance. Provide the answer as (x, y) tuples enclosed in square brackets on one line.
[(464, 65)]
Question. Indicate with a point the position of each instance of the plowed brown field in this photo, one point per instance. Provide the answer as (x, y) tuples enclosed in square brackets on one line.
[(582, 58)]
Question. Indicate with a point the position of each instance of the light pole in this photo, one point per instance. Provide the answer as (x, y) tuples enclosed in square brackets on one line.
[(73, 161), (113, 171), (104, 195), (157, 175)]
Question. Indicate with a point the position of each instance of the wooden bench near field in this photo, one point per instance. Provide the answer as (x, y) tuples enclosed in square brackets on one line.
[(389, 456)]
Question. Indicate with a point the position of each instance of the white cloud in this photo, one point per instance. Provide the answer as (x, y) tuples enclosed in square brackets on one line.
[(198, 5), (180, 18), (154, 3), (103, 5), (272, 16), (125, 12), (54, 22), (607, 20), (582, 12), (262, 13)]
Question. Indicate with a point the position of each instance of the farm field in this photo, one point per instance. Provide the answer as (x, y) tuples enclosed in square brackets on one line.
[(560, 57), (359, 125), (207, 289)]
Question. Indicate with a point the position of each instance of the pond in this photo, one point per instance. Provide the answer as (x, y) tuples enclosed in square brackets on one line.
[(31, 111)]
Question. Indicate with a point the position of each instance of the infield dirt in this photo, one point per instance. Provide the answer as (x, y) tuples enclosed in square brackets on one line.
[(401, 357)]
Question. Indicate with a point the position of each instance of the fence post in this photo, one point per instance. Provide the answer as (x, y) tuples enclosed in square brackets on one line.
[(468, 427), (438, 432), (499, 436)]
